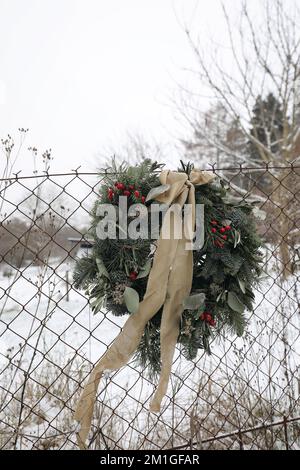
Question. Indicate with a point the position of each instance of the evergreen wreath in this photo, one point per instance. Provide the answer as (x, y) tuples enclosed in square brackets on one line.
[(114, 274)]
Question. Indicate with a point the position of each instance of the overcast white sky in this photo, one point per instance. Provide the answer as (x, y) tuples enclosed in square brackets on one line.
[(81, 73)]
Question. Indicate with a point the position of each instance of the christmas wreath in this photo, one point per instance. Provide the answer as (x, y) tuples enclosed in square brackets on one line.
[(116, 272)]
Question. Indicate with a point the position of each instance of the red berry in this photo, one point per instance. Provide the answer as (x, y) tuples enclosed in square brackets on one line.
[(202, 316), (143, 199), (212, 322), (110, 194), (227, 227), (133, 275), (116, 184), (208, 317), (214, 222), (131, 187), (222, 230), (137, 193), (213, 230), (126, 192), (224, 237), (120, 186)]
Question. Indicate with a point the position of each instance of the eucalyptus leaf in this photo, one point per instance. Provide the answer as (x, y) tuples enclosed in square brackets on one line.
[(206, 345), (145, 269), (194, 301), (235, 303), (158, 191), (232, 200), (134, 254), (237, 238), (131, 299), (101, 268), (242, 285), (127, 270), (226, 222)]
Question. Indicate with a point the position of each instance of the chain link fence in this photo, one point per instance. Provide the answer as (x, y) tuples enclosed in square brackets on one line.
[(244, 396)]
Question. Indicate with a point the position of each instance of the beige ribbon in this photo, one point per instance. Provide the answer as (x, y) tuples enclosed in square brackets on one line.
[(169, 283)]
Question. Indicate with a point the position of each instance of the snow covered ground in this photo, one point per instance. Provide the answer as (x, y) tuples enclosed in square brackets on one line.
[(55, 338)]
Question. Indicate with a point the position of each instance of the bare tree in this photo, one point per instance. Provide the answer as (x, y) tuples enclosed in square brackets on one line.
[(134, 148), (263, 59)]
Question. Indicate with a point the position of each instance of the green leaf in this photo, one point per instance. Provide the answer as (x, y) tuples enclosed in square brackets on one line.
[(206, 345), (158, 191), (235, 303), (134, 254), (232, 200), (237, 238), (220, 296), (98, 303), (226, 222), (145, 269), (101, 268), (127, 270), (131, 299), (194, 301), (242, 285)]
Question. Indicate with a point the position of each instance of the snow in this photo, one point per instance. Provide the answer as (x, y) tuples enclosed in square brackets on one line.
[(39, 324)]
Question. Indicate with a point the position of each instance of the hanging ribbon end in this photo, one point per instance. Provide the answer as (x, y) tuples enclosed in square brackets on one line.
[(81, 444), (154, 406)]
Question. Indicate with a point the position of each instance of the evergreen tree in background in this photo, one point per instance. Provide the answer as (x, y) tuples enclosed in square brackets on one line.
[(267, 127)]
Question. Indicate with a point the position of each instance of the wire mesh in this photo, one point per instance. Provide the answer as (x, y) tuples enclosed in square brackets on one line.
[(244, 396)]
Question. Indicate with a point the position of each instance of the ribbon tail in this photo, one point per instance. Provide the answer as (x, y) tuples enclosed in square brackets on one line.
[(180, 282), (115, 357), (169, 335), (85, 407), (126, 343)]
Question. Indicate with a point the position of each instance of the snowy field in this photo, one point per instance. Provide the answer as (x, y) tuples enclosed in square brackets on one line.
[(48, 332)]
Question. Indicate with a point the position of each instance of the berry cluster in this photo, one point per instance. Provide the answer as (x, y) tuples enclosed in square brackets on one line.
[(219, 233), (133, 275), (121, 190), (207, 317)]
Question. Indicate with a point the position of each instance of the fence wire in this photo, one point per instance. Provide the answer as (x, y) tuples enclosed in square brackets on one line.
[(244, 396)]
